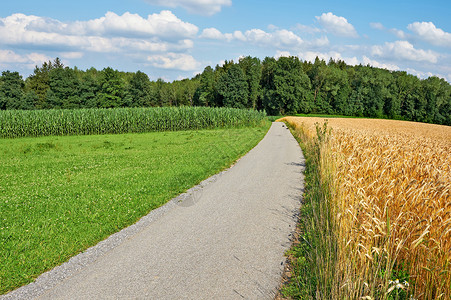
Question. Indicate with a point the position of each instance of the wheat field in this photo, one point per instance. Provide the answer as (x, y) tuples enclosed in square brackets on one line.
[(391, 204)]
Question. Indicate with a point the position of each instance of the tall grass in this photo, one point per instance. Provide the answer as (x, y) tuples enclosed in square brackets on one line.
[(314, 255), (14, 123), (388, 202)]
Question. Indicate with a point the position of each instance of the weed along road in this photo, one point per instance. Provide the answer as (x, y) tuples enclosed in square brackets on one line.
[(225, 240)]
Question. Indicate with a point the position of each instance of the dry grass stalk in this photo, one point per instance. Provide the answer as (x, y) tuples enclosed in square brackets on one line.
[(392, 206)]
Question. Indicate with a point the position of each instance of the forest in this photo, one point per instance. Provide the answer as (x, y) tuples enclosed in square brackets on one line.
[(282, 86)]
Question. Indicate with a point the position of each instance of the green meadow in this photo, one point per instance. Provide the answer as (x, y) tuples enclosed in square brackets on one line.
[(61, 195)]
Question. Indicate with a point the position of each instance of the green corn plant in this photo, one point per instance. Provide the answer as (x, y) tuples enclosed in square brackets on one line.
[(17, 123)]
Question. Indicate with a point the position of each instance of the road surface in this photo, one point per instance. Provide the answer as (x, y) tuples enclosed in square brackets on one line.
[(224, 239)]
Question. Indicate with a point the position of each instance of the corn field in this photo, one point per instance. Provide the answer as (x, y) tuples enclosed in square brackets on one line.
[(16, 123), (391, 207)]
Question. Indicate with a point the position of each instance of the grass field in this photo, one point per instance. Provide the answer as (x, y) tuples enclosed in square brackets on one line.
[(60, 195), (385, 230)]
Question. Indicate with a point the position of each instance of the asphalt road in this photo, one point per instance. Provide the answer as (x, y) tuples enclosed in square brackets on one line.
[(224, 239)]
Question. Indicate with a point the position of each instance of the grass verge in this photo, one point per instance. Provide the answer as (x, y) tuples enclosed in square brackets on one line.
[(313, 256), (61, 195)]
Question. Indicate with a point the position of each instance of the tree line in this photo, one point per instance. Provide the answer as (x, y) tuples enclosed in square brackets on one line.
[(286, 85)]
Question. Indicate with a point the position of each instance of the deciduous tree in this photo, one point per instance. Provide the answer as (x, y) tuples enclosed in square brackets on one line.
[(232, 86)]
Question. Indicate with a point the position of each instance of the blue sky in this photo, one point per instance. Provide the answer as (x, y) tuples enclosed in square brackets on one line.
[(175, 39)]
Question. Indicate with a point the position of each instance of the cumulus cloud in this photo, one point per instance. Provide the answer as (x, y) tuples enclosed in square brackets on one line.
[(426, 74), (203, 7), (160, 36), (287, 38), (337, 25), (318, 43), (374, 63), (278, 38), (71, 55), (420, 74), (311, 56), (111, 33), (258, 36), (428, 32), (212, 33), (215, 34), (37, 58), (164, 25), (9, 57), (397, 32), (238, 35), (377, 26), (404, 50), (178, 61), (280, 54), (307, 29)]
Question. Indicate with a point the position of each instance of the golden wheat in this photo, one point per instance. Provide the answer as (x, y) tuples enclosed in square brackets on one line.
[(391, 204)]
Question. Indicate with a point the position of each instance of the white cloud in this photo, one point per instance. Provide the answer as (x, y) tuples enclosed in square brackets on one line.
[(288, 38), (426, 74), (404, 50), (128, 35), (203, 7), (420, 74), (215, 34), (318, 43), (212, 33), (9, 58), (164, 25), (307, 29), (278, 38), (376, 64), (397, 32), (258, 36), (311, 56), (178, 61), (280, 54), (37, 58), (431, 34), (239, 36), (71, 55), (326, 56), (377, 26), (111, 33), (337, 25)]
